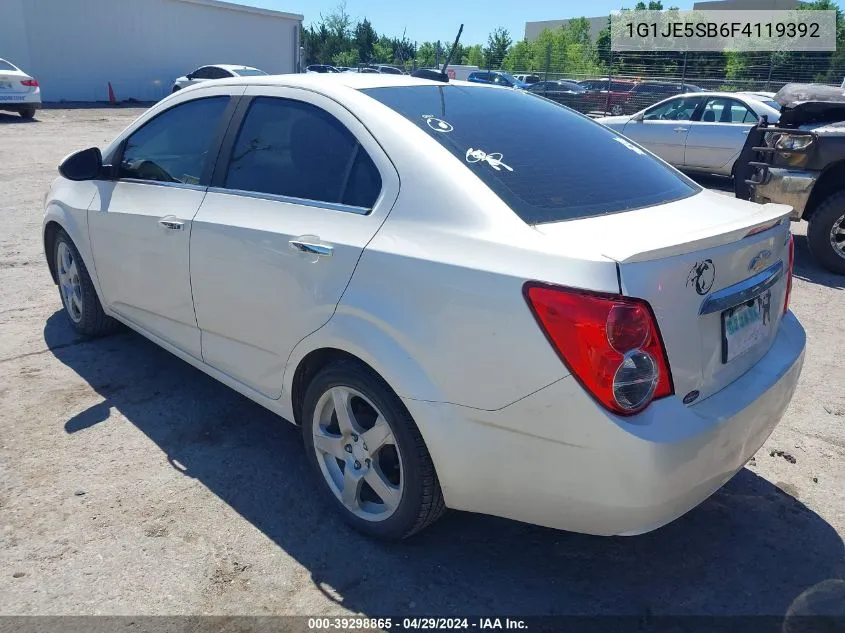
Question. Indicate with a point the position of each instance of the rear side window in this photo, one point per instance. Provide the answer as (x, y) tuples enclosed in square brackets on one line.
[(4, 65), (559, 166), (295, 149), (174, 146), (249, 72)]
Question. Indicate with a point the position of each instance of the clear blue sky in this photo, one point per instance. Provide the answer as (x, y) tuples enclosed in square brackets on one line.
[(432, 20)]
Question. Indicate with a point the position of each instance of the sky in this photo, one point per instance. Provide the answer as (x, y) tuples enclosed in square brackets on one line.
[(432, 20)]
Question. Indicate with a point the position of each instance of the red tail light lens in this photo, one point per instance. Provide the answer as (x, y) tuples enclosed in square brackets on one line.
[(789, 267), (32, 83), (611, 344)]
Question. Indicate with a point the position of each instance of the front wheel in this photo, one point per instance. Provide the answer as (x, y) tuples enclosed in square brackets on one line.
[(616, 109), (826, 233), (76, 290), (368, 453)]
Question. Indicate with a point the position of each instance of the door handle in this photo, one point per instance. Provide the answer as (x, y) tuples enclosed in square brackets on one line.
[(312, 248), (172, 223), (679, 129)]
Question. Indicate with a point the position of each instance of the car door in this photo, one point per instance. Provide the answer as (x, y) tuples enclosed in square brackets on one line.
[(663, 128), (717, 136), (300, 188), (140, 222)]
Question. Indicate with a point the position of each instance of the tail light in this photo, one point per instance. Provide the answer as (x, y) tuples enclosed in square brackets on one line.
[(611, 344), (32, 83), (790, 265)]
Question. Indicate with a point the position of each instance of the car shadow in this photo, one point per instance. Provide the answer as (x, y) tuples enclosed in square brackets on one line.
[(752, 548), (808, 269), (9, 118)]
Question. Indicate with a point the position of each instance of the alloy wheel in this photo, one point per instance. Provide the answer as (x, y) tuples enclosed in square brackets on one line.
[(357, 454), (837, 236), (69, 283)]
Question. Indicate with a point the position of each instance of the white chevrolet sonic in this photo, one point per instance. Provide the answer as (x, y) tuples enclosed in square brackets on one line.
[(467, 296)]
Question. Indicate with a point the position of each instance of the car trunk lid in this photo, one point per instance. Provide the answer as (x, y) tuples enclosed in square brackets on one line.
[(713, 269)]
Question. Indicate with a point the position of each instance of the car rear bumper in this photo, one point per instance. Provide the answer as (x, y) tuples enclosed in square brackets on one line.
[(556, 459), (21, 101), (786, 186)]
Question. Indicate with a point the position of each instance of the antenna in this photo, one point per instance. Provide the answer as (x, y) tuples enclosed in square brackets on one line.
[(452, 52), (439, 75)]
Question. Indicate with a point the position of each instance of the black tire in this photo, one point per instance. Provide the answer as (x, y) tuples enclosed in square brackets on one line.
[(92, 321), (828, 213), (421, 503), (27, 113)]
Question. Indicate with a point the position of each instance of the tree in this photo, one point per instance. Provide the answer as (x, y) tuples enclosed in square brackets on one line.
[(338, 21), (425, 55), (498, 43), (346, 58), (365, 40), (519, 58), (475, 55)]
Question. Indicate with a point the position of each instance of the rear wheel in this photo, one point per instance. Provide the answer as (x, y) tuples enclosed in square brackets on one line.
[(616, 109), (826, 233), (368, 453), (27, 113), (77, 290)]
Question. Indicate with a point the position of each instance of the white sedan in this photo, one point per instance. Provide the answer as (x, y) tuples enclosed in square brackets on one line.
[(698, 131), (456, 315), (215, 71), (19, 92)]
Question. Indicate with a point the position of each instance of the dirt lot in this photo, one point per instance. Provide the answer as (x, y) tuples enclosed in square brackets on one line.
[(131, 483)]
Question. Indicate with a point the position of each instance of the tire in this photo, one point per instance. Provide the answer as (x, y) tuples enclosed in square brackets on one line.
[(27, 113), (616, 109), (402, 463), (79, 298), (828, 215)]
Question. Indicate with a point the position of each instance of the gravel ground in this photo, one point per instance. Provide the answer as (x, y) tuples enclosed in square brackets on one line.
[(131, 483)]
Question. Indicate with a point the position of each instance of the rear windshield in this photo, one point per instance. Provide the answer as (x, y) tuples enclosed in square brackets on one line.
[(248, 72), (4, 65), (547, 162)]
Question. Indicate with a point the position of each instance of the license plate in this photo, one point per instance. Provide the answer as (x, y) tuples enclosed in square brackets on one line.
[(745, 326)]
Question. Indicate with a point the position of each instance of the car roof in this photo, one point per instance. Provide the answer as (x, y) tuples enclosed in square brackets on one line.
[(334, 82)]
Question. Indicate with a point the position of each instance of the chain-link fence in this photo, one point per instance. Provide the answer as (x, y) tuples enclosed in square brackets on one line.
[(626, 82)]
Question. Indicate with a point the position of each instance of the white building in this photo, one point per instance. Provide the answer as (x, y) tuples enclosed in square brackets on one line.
[(76, 47)]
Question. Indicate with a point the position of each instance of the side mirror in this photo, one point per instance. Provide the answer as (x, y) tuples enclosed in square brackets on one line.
[(189, 76), (638, 117), (83, 165)]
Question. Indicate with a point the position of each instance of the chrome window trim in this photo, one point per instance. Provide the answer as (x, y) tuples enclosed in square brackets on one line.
[(331, 206), (162, 183), (743, 291)]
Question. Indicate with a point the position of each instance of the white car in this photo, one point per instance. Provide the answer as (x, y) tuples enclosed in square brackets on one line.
[(552, 326), (697, 131), (19, 92), (215, 71)]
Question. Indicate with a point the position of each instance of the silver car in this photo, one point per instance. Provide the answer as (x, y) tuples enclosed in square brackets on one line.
[(699, 131)]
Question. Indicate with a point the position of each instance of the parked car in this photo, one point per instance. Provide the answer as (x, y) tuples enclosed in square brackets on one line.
[(604, 95), (505, 333), (564, 92), (19, 92), (702, 132), (321, 68), (345, 69), (389, 70), (215, 71), (800, 161), (496, 77), (528, 79), (646, 93)]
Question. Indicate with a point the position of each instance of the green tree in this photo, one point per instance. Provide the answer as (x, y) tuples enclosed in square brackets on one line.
[(475, 55), (425, 55), (498, 43), (365, 40), (346, 58), (519, 58)]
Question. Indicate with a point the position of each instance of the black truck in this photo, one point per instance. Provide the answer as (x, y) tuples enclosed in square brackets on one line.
[(800, 161)]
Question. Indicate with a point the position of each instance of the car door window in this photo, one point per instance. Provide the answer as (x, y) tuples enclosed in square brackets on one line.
[(725, 110), (218, 73), (680, 109), (202, 73), (174, 146), (295, 149)]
